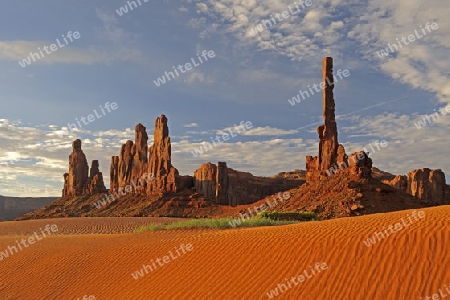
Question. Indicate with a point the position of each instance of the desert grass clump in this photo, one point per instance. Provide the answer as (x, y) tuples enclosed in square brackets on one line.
[(218, 223), (289, 216)]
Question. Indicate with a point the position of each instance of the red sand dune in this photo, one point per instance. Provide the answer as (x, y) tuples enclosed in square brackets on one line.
[(235, 263)]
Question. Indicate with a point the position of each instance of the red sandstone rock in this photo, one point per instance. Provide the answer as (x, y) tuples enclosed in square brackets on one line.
[(114, 174), (166, 177), (140, 159), (186, 182), (360, 164), (312, 173), (331, 154), (328, 134), (77, 182), (428, 185), (65, 191), (400, 182), (205, 180), (230, 187), (222, 184), (125, 164), (78, 171), (341, 158), (95, 184), (143, 170)]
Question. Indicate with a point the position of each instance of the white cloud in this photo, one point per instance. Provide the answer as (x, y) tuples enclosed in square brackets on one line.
[(197, 76), (298, 36), (202, 7), (190, 125), (118, 45), (268, 131), (19, 50), (336, 28), (408, 147), (33, 159), (421, 64)]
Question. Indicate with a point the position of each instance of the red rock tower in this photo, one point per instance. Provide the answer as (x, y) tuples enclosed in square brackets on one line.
[(78, 171), (78, 182), (330, 152), (328, 133), (166, 177)]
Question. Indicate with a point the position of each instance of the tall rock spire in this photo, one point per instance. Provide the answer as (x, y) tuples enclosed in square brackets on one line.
[(328, 133), (114, 174), (78, 171), (143, 170), (140, 158), (78, 182), (330, 152), (163, 177)]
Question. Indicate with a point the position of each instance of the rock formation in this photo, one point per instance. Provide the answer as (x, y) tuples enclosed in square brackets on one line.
[(400, 182), (128, 170), (95, 184), (222, 184), (331, 153), (226, 186), (78, 171), (143, 170), (65, 190), (360, 164), (166, 177), (125, 164), (114, 174), (140, 158), (78, 181), (312, 167), (428, 185), (205, 180), (328, 135), (425, 184)]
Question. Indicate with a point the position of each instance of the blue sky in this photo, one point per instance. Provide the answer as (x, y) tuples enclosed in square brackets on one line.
[(251, 78)]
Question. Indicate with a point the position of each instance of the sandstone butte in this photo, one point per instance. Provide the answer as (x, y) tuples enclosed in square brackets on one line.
[(146, 183)]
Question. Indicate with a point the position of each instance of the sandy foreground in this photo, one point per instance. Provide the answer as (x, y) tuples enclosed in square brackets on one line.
[(97, 256)]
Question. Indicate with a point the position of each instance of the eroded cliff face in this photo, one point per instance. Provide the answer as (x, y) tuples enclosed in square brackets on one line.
[(426, 184), (114, 174), (205, 179), (226, 186)]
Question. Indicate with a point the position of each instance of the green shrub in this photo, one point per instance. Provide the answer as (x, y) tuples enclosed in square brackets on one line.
[(221, 223), (289, 216)]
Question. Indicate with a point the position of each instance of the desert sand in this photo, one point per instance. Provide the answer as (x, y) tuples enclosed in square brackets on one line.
[(230, 264)]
